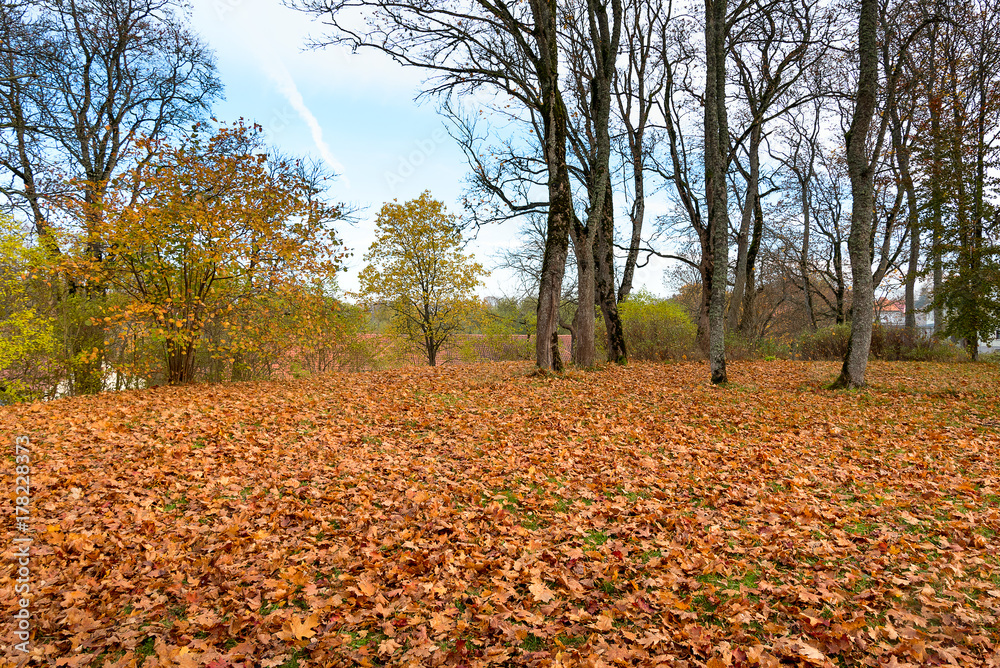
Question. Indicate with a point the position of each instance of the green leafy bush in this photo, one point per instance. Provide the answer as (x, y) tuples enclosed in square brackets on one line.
[(656, 329)]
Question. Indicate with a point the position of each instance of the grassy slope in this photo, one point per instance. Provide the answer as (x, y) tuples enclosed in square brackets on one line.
[(482, 515)]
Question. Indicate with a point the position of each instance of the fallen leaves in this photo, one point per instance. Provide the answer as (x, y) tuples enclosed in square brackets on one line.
[(481, 516), (541, 593)]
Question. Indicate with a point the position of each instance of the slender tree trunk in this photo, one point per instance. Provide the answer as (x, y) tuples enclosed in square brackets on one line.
[(716, 146), (937, 186), (861, 172), (584, 322), (978, 209), (638, 214), (705, 268), (748, 320), (804, 255), (180, 362), (743, 241), (605, 264), (840, 317), (912, 222)]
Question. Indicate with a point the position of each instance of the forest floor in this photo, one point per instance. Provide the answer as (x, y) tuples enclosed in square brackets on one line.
[(485, 515)]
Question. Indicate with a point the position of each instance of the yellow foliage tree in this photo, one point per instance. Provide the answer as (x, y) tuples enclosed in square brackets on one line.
[(417, 269), (26, 332), (204, 233)]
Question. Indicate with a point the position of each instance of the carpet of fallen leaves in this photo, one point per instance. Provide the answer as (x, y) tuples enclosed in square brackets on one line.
[(484, 515)]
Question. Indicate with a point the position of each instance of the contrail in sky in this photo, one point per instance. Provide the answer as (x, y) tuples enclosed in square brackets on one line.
[(279, 74)]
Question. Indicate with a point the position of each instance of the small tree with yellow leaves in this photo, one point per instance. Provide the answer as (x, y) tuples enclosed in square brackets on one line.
[(27, 332), (210, 233), (417, 269)]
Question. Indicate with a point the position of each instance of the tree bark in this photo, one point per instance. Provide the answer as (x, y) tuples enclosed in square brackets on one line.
[(716, 146), (912, 222), (861, 171), (180, 362), (804, 255), (584, 322), (560, 214), (637, 216), (937, 176), (743, 240), (747, 320), (605, 263)]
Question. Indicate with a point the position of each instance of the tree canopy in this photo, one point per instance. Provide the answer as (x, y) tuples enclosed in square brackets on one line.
[(417, 269)]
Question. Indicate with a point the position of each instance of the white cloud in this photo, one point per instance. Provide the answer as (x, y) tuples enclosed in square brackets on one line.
[(279, 74)]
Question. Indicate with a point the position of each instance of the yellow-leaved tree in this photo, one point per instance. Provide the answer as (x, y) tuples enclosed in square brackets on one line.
[(27, 335), (215, 232), (417, 269)]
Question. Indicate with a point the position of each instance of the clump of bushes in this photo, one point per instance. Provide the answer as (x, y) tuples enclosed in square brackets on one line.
[(901, 344), (739, 347), (828, 343), (892, 344), (656, 329)]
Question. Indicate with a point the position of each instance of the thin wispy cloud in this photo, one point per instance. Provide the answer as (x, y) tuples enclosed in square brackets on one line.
[(285, 84)]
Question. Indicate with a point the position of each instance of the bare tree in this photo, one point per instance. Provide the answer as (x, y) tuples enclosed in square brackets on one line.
[(803, 148), (716, 148), (637, 85), (862, 162), (775, 48), (593, 38), (510, 49)]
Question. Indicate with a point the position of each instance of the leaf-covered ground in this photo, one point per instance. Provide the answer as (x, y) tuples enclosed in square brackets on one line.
[(481, 515)]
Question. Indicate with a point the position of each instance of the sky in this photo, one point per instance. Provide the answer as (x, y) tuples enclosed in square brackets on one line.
[(357, 112)]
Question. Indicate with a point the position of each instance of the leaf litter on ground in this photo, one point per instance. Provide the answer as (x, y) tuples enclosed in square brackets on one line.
[(481, 515)]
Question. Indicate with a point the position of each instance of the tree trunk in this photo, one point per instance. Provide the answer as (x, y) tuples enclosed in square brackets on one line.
[(747, 321), (716, 146), (605, 264), (87, 347), (706, 271), (743, 241), (432, 352), (584, 322), (604, 37), (937, 189), (912, 222), (560, 214), (861, 172), (180, 362), (637, 216), (804, 255)]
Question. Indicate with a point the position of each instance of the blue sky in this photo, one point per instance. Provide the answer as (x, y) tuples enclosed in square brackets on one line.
[(355, 111)]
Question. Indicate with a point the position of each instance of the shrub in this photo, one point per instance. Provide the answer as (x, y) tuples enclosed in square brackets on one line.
[(891, 344), (656, 329), (829, 343), (739, 347), (498, 334), (991, 358), (770, 347), (901, 344)]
